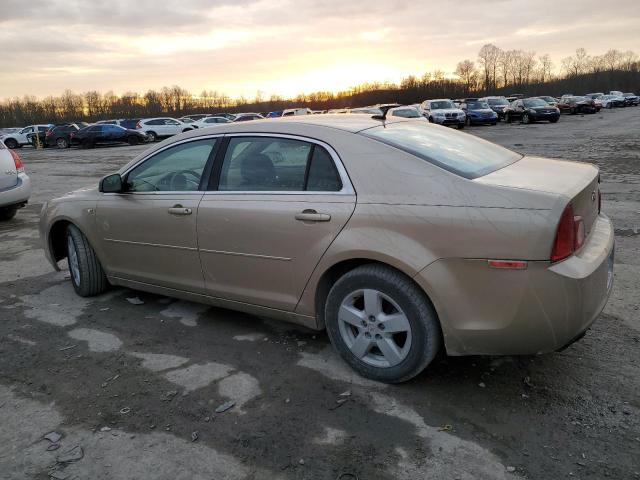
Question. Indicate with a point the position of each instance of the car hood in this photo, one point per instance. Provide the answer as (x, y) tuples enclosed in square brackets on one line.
[(481, 110), (448, 110)]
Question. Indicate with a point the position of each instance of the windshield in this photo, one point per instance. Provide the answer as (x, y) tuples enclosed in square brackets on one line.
[(441, 105), (535, 102), (457, 152), (477, 105), (406, 113), (497, 101), (548, 99)]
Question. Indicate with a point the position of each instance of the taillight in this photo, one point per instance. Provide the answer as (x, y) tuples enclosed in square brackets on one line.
[(138, 125), (579, 234), (48, 134), (564, 243), (17, 161)]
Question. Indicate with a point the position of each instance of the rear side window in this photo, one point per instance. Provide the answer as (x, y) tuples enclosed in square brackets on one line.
[(253, 164), (457, 152)]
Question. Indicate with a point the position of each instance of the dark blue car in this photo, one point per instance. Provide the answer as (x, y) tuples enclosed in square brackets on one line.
[(478, 112)]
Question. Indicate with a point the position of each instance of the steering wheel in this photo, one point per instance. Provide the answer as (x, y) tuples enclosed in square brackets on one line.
[(188, 184)]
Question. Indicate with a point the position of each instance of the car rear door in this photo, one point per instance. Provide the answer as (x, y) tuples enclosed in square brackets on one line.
[(277, 204), (148, 232)]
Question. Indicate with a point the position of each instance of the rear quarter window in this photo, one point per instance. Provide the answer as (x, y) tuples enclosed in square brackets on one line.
[(460, 153)]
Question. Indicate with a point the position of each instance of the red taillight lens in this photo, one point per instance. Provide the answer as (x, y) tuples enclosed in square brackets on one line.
[(564, 244), (18, 161), (138, 125)]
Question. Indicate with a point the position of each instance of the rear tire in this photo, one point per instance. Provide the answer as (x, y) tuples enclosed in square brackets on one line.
[(7, 213), (461, 126), (133, 140), (358, 307), (507, 118), (62, 143), (87, 276), (152, 136), (554, 120)]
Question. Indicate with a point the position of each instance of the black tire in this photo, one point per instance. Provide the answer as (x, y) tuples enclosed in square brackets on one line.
[(573, 111), (467, 121), (425, 328), (152, 136), (11, 143), (7, 213), (461, 126), (92, 279), (88, 144), (526, 119), (133, 140), (62, 143), (507, 118), (494, 123), (554, 120), (430, 119)]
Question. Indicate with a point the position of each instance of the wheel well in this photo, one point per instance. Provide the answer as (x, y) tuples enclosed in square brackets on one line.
[(331, 276), (58, 240)]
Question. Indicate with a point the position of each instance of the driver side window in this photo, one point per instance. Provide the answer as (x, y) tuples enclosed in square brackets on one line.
[(176, 169)]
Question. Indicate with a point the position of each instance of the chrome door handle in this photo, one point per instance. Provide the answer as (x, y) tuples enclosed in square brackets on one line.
[(312, 216), (180, 210)]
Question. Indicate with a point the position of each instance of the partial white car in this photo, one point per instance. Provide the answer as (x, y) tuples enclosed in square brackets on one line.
[(162, 127), (19, 138), (15, 186), (296, 111), (443, 112), (210, 122)]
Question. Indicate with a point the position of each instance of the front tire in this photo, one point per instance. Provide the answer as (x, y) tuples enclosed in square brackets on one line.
[(62, 143), (11, 143), (382, 324), (7, 213), (87, 276), (133, 140)]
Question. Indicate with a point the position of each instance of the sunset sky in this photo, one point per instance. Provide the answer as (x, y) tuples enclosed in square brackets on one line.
[(282, 47)]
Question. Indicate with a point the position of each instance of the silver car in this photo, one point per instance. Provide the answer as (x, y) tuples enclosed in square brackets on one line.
[(15, 186)]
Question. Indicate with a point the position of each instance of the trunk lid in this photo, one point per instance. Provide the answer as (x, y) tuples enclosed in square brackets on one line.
[(8, 172), (577, 182)]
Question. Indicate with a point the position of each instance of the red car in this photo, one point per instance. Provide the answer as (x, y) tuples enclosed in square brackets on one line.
[(575, 105)]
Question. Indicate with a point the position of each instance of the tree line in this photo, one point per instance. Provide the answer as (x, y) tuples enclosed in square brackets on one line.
[(495, 71)]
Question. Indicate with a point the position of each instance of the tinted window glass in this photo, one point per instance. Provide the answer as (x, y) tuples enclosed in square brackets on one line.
[(460, 153), (264, 164), (323, 176), (175, 169)]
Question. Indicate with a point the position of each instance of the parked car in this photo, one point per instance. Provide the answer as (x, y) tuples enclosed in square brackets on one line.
[(195, 117), (529, 110), (296, 111), (631, 99), (611, 101), (406, 111), (274, 114), (8, 130), (443, 112), (211, 122), (93, 135), (123, 122), (497, 104), (517, 260), (15, 186), (160, 127), (244, 117), (60, 135), (576, 104), (478, 112), (553, 101), (594, 96), (20, 138)]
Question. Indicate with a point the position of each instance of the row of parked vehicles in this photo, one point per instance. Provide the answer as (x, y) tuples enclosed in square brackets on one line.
[(460, 112)]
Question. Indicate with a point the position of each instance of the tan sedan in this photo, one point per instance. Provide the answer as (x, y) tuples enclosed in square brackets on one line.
[(398, 237)]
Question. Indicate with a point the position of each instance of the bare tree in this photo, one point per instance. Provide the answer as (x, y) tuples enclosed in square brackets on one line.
[(488, 60), (466, 70)]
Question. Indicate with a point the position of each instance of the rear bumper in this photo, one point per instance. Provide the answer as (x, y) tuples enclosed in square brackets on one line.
[(516, 312), (538, 117), (18, 194)]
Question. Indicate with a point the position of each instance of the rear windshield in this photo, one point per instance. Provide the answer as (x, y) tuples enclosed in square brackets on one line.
[(497, 101), (461, 153)]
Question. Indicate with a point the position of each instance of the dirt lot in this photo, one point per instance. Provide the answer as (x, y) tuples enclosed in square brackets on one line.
[(136, 387)]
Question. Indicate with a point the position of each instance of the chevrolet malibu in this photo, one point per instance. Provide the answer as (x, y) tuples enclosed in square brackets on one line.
[(399, 237)]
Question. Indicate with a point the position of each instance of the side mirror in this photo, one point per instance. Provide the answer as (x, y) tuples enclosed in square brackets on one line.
[(111, 184)]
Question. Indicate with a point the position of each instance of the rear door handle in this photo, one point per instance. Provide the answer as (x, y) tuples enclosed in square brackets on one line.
[(180, 210), (312, 216)]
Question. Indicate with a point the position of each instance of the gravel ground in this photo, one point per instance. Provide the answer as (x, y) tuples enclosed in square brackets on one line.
[(133, 389)]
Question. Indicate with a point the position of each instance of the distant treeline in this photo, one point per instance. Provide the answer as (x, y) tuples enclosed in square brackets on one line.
[(495, 71)]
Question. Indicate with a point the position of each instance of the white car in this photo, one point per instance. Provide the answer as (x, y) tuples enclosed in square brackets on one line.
[(210, 122), (611, 101), (15, 186), (19, 138), (443, 112), (162, 127), (296, 111)]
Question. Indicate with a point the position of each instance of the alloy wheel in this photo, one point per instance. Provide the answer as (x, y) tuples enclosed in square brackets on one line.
[(374, 328)]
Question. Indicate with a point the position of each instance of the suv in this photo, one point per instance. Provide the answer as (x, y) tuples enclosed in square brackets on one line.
[(497, 104), (60, 135), (631, 99), (443, 112), (21, 137), (156, 128), (15, 186)]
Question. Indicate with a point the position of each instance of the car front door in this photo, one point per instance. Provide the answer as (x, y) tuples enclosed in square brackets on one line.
[(277, 204), (172, 127), (148, 232)]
